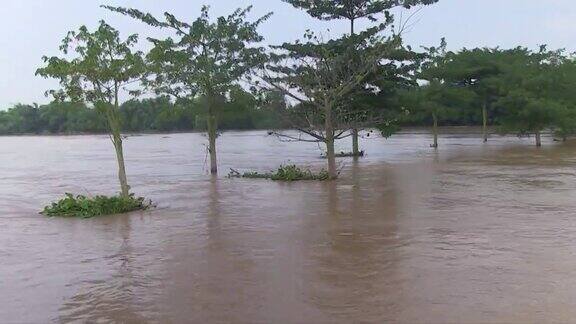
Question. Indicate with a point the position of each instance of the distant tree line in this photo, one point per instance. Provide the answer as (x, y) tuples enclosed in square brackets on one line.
[(520, 91), (160, 114), (241, 111)]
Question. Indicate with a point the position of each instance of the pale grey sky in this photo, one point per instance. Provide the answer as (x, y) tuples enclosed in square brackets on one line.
[(33, 28)]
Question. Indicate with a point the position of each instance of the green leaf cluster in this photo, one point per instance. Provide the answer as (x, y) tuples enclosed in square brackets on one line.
[(95, 65), (353, 9), (205, 57)]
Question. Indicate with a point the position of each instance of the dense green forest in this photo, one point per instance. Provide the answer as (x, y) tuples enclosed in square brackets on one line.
[(517, 91), (241, 110), (245, 111), (163, 115)]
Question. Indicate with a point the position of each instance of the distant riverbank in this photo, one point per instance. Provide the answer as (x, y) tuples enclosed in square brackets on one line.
[(464, 130)]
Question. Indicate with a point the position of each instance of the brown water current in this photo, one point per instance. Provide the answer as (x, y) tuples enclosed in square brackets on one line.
[(470, 233)]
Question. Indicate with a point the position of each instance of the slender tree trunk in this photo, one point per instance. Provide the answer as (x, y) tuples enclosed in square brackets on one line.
[(352, 26), (538, 139), (212, 134), (124, 187), (485, 123), (355, 142), (435, 130), (355, 135), (113, 116), (330, 152), (115, 126)]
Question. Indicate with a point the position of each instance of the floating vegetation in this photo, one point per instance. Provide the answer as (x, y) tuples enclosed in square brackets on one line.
[(88, 207), (284, 173), (347, 154)]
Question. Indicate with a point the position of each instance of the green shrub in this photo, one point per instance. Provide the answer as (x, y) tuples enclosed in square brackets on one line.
[(284, 173), (85, 207)]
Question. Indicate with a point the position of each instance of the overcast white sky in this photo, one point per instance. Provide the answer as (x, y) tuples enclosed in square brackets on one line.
[(33, 28)]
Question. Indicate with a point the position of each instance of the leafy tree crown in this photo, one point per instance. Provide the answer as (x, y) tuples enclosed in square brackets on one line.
[(206, 57), (95, 66)]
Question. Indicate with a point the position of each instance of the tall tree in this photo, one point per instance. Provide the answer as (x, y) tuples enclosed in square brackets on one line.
[(354, 10), (565, 82), (436, 97), (319, 75), (96, 66), (207, 58), (527, 114), (480, 70), (436, 101), (538, 92)]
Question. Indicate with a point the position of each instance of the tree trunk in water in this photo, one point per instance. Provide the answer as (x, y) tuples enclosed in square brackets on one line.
[(113, 113), (435, 130), (355, 136), (212, 134), (330, 152), (485, 123), (538, 139), (116, 136), (124, 187), (355, 145)]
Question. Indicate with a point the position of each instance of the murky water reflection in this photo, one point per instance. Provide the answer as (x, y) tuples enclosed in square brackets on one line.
[(471, 233)]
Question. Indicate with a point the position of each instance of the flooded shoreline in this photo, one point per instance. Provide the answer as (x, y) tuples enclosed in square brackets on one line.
[(468, 233)]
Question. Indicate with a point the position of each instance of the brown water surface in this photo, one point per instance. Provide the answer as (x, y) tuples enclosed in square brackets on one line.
[(469, 233)]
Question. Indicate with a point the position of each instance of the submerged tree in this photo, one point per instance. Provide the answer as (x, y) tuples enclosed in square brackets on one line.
[(526, 114), (436, 97), (319, 75), (354, 10), (436, 101), (207, 58), (538, 93), (480, 71), (101, 64), (564, 84)]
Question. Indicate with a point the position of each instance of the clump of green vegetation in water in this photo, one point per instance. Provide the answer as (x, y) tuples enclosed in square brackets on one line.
[(284, 173), (347, 154), (87, 207)]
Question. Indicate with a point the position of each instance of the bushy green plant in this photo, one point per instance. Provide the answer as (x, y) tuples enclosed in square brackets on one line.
[(284, 173), (294, 173), (87, 207)]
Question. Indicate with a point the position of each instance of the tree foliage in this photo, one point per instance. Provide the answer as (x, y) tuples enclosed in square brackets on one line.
[(96, 66), (205, 58), (367, 105), (242, 110), (353, 9), (319, 75), (523, 91)]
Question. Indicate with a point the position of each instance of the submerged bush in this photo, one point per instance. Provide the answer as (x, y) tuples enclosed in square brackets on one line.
[(284, 173), (87, 207)]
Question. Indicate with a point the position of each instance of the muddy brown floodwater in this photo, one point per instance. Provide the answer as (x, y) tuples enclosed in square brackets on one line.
[(470, 233)]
